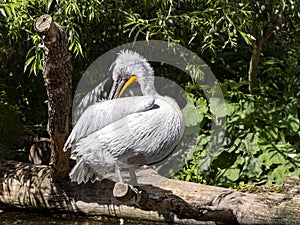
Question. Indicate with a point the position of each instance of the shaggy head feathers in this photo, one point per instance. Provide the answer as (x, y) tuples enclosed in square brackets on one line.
[(130, 63)]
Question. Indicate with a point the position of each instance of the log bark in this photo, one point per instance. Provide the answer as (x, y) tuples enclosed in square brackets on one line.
[(156, 198), (57, 73)]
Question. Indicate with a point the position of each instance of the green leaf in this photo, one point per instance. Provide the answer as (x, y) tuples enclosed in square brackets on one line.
[(231, 108), (248, 38), (232, 174), (294, 123), (271, 157), (278, 175), (203, 140), (8, 11), (192, 38), (240, 160), (28, 62), (253, 167), (217, 107), (201, 105), (48, 5), (2, 11), (190, 113), (271, 132)]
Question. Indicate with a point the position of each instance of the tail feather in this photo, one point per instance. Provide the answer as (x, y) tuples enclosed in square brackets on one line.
[(81, 172)]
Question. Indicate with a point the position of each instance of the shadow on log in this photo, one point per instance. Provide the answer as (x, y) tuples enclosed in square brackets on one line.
[(31, 186)]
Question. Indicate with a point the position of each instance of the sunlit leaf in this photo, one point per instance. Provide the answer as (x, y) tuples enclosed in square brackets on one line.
[(48, 5), (232, 174), (8, 11), (190, 113), (217, 106), (28, 62)]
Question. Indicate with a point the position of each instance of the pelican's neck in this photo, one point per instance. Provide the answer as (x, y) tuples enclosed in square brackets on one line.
[(147, 84), (149, 92)]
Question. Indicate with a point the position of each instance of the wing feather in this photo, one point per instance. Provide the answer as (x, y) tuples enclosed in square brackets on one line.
[(101, 114), (99, 93)]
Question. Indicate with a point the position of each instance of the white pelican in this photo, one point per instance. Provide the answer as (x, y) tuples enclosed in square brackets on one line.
[(125, 132)]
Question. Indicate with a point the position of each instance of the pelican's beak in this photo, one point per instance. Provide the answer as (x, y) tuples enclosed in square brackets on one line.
[(119, 86)]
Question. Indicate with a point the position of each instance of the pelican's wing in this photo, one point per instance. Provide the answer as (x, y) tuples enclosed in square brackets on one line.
[(101, 114), (99, 93)]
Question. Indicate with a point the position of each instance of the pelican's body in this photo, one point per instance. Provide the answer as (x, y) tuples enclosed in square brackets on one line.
[(125, 132)]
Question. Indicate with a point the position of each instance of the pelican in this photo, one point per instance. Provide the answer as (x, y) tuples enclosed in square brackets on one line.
[(125, 132)]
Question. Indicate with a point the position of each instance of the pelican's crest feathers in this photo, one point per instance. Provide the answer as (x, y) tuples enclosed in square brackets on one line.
[(127, 55), (128, 59)]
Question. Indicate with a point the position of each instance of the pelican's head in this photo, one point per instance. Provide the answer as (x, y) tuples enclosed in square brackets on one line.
[(130, 67)]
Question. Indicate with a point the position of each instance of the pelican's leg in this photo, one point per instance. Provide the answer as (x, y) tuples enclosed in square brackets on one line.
[(133, 176), (118, 172)]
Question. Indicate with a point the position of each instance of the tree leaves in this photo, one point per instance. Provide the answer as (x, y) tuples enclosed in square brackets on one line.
[(193, 115), (259, 144)]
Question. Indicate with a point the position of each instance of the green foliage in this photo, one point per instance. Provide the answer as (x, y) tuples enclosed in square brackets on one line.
[(261, 143), (189, 23)]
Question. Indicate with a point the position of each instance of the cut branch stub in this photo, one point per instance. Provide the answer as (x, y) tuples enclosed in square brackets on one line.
[(45, 24), (128, 193)]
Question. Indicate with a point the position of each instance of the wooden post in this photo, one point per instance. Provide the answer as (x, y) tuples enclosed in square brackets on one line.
[(57, 75)]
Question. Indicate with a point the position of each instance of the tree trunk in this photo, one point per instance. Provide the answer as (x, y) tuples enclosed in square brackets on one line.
[(57, 75), (257, 47), (254, 64), (156, 199)]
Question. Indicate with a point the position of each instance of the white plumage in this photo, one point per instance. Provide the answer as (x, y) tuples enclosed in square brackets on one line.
[(125, 132)]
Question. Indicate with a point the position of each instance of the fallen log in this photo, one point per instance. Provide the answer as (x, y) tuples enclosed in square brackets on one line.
[(30, 186)]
